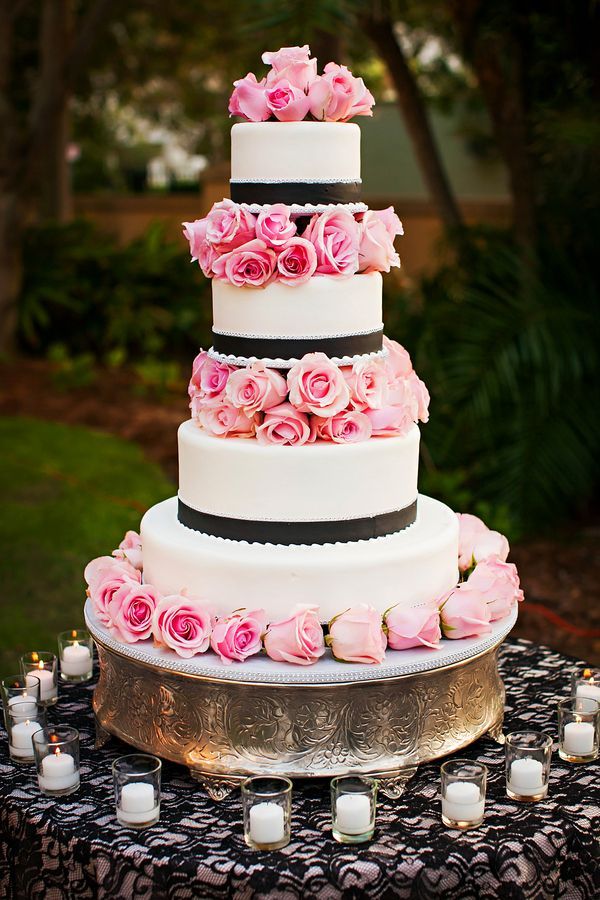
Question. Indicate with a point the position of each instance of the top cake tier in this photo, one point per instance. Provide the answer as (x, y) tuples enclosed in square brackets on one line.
[(296, 163)]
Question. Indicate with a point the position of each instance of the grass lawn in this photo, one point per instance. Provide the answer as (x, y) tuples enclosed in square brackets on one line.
[(67, 494)]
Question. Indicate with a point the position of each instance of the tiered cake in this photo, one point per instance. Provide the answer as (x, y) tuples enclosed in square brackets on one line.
[(298, 538), (298, 468)]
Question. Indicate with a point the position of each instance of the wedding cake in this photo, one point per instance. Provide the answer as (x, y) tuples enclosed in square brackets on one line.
[(298, 503)]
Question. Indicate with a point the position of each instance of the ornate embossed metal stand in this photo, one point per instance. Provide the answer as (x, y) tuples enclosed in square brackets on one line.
[(225, 728)]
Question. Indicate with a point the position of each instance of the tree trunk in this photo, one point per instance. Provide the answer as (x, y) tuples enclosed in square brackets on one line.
[(381, 32), (11, 269), (55, 42), (497, 51)]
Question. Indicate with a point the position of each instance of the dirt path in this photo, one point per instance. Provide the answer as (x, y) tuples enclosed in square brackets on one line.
[(560, 576)]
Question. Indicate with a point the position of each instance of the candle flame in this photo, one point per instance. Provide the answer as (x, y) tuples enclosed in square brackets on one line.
[(27, 722), (53, 738), (587, 673), (75, 643), (57, 752), (73, 634), (34, 657), (40, 665)]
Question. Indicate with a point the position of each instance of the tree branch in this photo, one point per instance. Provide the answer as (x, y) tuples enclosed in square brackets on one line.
[(380, 30)]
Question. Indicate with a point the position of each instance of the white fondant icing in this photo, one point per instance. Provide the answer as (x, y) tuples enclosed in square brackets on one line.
[(412, 568), (243, 479), (295, 151), (325, 306)]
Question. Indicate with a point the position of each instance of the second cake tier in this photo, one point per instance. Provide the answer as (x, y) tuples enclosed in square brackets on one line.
[(240, 489)]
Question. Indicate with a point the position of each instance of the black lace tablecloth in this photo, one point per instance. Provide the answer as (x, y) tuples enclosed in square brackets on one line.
[(73, 847)]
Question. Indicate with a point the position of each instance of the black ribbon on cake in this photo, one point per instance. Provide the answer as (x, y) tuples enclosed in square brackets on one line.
[(295, 348), (290, 192), (297, 532)]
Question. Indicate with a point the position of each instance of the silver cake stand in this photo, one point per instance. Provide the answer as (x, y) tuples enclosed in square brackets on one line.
[(227, 722)]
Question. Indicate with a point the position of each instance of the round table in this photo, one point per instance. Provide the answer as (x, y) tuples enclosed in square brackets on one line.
[(73, 847)]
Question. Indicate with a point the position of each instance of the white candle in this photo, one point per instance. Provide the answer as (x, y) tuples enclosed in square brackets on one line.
[(526, 777), (578, 738), (267, 824), (463, 802), (48, 687), (353, 814), (58, 772), (76, 659), (20, 738), (137, 803), (589, 690), (27, 708)]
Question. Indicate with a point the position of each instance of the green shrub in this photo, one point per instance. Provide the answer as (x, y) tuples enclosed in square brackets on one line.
[(86, 293)]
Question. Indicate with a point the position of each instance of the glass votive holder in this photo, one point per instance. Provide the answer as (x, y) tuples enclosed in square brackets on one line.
[(353, 808), (586, 683), (136, 779), (267, 807), (76, 655), (20, 689), (57, 760), (578, 729), (463, 793), (23, 720), (528, 756), (43, 665)]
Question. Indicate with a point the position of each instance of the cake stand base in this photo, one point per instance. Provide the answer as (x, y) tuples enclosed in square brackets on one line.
[(224, 729)]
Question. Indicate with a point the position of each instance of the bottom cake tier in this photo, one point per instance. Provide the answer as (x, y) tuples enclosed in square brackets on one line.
[(413, 567)]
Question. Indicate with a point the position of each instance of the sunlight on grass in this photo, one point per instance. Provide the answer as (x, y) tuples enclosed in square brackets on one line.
[(68, 494)]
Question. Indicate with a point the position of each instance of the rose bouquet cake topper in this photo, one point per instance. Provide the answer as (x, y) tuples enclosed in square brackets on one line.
[(293, 91)]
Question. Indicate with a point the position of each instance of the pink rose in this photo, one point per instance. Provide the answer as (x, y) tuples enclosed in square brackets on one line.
[(376, 252), (498, 584), (297, 261), (96, 569), (391, 221), (251, 264), (335, 237), (297, 639), (221, 419), (283, 424), (337, 95), (317, 386), (239, 636), (256, 388), (274, 226), (229, 225), (464, 613), (248, 99), (347, 427), (367, 380), (130, 549), (357, 635), (183, 624), (421, 396), (397, 360), (476, 542), (490, 544), (286, 102), (285, 56), (104, 584), (209, 378), (391, 421), (417, 626), (130, 610), (202, 251), (292, 64)]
